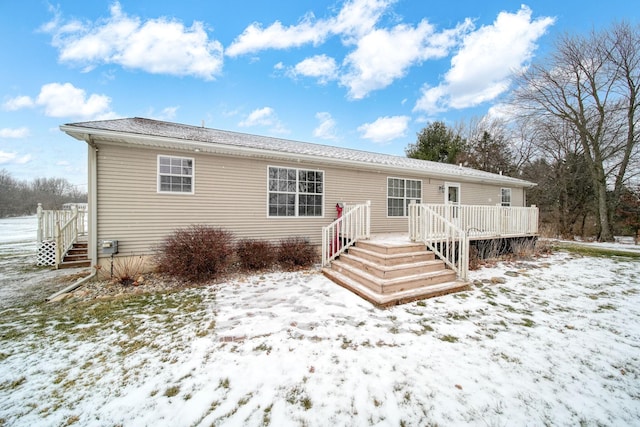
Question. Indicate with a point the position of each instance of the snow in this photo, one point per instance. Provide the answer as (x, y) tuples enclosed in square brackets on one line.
[(20, 280), (556, 344)]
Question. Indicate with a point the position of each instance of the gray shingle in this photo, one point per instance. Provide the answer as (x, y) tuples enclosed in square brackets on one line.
[(160, 129)]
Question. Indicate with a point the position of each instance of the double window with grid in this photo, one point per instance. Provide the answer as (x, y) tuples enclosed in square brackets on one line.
[(400, 192), (295, 192)]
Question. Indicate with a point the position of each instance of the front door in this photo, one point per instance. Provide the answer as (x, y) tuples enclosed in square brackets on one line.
[(452, 200)]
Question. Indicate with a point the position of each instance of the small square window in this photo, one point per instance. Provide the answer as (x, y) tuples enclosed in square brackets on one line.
[(175, 174)]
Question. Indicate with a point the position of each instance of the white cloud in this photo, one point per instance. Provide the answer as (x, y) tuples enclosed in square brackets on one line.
[(18, 103), (481, 69), (321, 67), (379, 57), (327, 127), (385, 129), (66, 100), (167, 113), (160, 46), (266, 117), (13, 158), (17, 133), (382, 56), (355, 18), (276, 36), (358, 17)]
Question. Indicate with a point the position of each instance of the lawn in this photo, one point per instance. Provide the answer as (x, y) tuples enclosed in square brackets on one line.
[(555, 341)]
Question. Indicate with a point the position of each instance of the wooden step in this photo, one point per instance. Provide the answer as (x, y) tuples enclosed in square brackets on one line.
[(389, 286), (393, 271), (77, 251), (76, 257), (390, 248), (396, 298), (74, 264), (391, 259), (388, 272)]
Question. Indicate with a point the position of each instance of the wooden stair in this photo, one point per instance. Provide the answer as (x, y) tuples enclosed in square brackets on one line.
[(390, 273), (78, 256)]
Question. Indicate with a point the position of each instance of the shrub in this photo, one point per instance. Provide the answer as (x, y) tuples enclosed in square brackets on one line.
[(197, 253), (255, 254), (295, 252)]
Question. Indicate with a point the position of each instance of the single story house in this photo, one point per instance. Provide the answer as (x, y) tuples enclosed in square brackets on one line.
[(148, 178)]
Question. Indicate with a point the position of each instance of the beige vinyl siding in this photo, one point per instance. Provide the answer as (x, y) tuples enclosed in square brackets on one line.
[(228, 192), (232, 193), (491, 195)]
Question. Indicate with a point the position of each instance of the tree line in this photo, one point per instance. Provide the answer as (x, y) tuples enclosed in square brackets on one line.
[(18, 198), (571, 128)]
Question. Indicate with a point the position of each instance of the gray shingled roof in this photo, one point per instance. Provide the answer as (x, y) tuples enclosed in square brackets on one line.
[(160, 129)]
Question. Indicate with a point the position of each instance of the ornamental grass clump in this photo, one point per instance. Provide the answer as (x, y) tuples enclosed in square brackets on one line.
[(198, 253)]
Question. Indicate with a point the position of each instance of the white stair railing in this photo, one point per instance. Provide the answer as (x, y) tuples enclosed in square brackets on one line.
[(442, 236), (61, 227), (344, 232)]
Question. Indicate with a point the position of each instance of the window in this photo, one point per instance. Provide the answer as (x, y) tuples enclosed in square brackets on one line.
[(400, 192), (175, 175), (506, 197), (295, 192)]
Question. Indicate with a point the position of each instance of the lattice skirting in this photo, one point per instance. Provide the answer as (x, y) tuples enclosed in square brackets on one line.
[(47, 253)]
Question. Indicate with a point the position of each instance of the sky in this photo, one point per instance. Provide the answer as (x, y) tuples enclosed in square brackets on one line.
[(361, 74)]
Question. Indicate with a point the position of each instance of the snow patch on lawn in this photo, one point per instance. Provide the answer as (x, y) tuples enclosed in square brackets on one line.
[(557, 343)]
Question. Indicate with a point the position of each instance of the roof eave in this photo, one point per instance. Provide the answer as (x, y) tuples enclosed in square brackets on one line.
[(88, 134)]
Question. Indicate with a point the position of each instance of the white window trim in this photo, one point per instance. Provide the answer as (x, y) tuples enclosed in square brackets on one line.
[(406, 215), (277, 217), (510, 197), (193, 175)]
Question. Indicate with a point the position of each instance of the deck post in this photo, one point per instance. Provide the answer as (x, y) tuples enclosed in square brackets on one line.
[(368, 220), (39, 232)]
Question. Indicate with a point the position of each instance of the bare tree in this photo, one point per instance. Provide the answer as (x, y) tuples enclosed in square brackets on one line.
[(22, 198), (591, 84), (490, 146)]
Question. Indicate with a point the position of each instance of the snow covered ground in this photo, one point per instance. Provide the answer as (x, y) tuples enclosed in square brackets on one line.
[(20, 279), (549, 342)]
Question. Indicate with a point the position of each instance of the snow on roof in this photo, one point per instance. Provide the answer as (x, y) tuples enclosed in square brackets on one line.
[(160, 129)]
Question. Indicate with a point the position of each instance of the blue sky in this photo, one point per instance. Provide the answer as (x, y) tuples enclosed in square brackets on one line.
[(363, 74)]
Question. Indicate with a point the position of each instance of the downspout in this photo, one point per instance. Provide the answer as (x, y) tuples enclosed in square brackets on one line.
[(73, 286), (91, 232), (92, 201)]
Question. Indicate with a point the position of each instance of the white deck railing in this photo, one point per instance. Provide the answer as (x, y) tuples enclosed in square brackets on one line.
[(491, 221), (442, 236), (63, 227), (446, 229), (353, 225)]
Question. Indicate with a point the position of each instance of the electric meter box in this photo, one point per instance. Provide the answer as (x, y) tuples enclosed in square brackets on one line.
[(109, 247)]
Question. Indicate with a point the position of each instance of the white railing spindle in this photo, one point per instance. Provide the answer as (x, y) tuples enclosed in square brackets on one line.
[(62, 227), (353, 225)]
